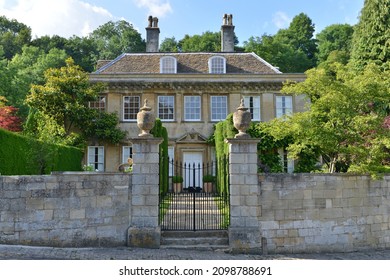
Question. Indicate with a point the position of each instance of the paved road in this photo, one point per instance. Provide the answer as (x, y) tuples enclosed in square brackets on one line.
[(16, 252)]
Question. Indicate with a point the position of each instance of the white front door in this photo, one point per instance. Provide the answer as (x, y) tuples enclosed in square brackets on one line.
[(193, 173)]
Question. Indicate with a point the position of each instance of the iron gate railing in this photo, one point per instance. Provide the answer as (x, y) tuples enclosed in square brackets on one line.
[(194, 211), (193, 201)]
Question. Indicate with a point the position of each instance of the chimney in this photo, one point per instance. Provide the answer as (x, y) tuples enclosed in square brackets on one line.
[(227, 34), (152, 35)]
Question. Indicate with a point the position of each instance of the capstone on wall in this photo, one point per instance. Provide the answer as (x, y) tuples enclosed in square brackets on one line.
[(303, 213), (78, 209)]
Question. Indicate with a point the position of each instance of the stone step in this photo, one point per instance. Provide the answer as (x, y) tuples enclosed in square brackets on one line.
[(195, 240)]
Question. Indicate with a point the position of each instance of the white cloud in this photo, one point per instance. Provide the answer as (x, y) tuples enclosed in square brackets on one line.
[(281, 20), (57, 17), (156, 8)]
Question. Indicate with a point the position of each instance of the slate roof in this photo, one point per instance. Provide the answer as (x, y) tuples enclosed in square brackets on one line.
[(187, 63)]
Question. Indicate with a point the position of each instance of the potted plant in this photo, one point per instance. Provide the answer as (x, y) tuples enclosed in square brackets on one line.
[(177, 183), (208, 181)]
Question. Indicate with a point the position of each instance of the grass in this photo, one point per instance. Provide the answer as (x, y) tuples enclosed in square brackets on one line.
[(223, 204), (165, 203)]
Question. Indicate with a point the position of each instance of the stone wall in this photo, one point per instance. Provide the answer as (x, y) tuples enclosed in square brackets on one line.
[(324, 213), (77, 209)]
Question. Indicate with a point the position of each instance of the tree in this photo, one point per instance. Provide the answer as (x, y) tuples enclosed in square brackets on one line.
[(346, 122), (114, 38), (169, 45), (207, 42), (371, 39), (13, 36), (27, 68), (8, 117), (83, 50), (60, 106), (335, 39), (300, 36), (279, 54)]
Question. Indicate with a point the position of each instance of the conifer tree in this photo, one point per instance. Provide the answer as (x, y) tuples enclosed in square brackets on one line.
[(371, 39)]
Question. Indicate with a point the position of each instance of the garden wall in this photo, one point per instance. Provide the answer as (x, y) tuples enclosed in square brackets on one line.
[(78, 209), (324, 213)]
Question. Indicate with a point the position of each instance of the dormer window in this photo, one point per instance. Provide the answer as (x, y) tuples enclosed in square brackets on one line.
[(217, 65), (168, 65)]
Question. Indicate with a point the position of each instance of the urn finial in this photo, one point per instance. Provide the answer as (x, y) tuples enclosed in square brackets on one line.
[(242, 120), (145, 120)]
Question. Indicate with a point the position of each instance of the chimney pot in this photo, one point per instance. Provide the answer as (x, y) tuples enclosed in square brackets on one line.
[(227, 33), (152, 35)]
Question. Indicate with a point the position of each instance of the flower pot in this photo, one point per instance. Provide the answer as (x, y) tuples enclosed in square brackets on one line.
[(177, 187), (208, 187)]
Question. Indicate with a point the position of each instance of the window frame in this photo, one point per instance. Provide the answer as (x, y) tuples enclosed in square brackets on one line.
[(100, 157), (127, 154), (136, 109), (186, 103), (247, 102), (213, 67), (97, 105), (286, 111), (213, 108), (170, 69), (161, 116)]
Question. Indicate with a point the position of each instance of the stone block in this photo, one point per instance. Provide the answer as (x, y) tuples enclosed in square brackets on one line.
[(144, 237), (35, 203), (245, 240), (104, 201), (77, 214)]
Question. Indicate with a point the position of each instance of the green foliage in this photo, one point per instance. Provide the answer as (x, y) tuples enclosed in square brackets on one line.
[(334, 38), (114, 38), (292, 50), (60, 109), (371, 36), (29, 156), (207, 42), (169, 45), (177, 179), (346, 120), (102, 126), (160, 131), (13, 36)]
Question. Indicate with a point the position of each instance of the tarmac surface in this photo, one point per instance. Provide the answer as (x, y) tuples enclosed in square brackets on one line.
[(17, 252)]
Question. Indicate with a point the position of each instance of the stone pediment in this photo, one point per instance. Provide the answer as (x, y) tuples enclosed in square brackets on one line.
[(192, 137)]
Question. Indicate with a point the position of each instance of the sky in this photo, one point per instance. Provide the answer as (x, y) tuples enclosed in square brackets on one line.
[(176, 17)]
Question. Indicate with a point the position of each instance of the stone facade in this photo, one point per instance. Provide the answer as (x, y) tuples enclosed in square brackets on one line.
[(190, 93), (73, 210)]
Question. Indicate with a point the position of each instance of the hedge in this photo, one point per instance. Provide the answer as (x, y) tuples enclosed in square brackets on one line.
[(21, 155), (160, 131)]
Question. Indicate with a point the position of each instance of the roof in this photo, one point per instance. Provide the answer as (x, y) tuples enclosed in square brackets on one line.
[(187, 63)]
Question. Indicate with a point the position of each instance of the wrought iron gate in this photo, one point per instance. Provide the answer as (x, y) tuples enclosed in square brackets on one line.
[(196, 204)]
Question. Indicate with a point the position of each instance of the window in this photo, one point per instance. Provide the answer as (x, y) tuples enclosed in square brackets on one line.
[(283, 106), (131, 106), (192, 108), (96, 157), (99, 104), (253, 104), (217, 65), (127, 152), (166, 108), (218, 108), (168, 65), (287, 163)]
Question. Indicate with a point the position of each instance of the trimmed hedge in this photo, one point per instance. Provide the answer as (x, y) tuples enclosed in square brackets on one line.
[(160, 131), (224, 129), (21, 155)]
